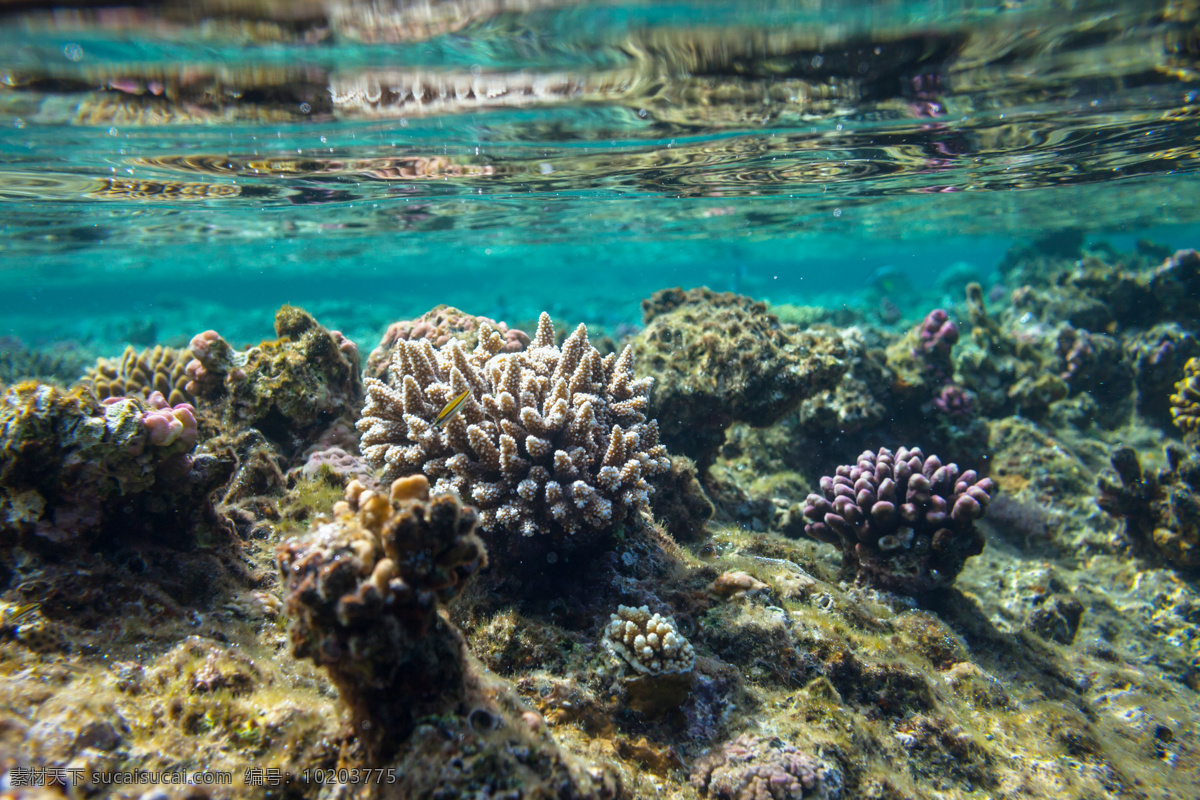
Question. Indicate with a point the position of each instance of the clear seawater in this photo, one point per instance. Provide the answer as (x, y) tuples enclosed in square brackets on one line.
[(167, 168)]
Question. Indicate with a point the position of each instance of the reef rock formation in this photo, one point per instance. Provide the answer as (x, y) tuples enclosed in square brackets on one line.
[(753, 768), (722, 358), (71, 467), (363, 590), (550, 444), (290, 388), (905, 522)]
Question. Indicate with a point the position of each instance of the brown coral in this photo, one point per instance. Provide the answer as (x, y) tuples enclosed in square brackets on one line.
[(137, 374), (363, 589)]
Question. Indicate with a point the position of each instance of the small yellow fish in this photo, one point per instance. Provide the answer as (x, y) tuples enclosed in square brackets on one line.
[(13, 615), (452, 408)]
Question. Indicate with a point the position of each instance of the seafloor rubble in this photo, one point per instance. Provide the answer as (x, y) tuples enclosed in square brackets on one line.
[(890, 572)]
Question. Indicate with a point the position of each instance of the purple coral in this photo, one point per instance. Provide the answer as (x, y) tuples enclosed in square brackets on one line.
[(953, 400), (938, 334), (753, 768), (904, 522)]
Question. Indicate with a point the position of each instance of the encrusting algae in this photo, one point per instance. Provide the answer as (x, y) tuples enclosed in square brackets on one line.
[(303, 579)]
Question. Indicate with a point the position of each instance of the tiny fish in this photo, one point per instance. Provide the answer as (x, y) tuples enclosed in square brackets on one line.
[(452, 408), (14, 615)]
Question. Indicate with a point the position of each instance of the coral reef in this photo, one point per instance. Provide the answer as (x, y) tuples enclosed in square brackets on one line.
[(62, 363), (71, 467), (551, 444), (137, 374), (363, 589), (719, 358), (753, 768), (1161, 509), (290, 388), (904, 522), (439, 325)]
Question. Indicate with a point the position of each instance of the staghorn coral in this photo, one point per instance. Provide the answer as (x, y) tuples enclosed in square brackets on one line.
[(721, 358), (753, 768), (439, 325), (71, 467), (291, 388), (363, 589), (1161, 509), (1185, 402), (549, 442), (905, 523), (137, 374), (647, 644)]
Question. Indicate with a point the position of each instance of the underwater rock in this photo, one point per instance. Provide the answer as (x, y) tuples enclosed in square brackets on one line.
[(753, 768), (905, 523), (439, 325), (551, 444), (137, 374), (1161, 509), (71, 468), (291, 388), (1056, 619), (1094, 364), (720, 358), (363, 592)]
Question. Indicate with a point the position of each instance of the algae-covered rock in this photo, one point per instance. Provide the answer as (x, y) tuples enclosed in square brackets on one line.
[(290, 388), (720, 358), (71, 467)]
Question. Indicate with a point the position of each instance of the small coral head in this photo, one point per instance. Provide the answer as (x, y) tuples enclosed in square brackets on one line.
[(904, 522)]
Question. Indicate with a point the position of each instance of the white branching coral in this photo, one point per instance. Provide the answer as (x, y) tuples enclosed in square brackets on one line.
[(648, 644), (548, 440)]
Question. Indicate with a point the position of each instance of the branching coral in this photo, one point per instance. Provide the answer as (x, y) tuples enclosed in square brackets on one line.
[(1185, 403), (363, 591), (1161, 509), (137, 374), (647, 644), (548, 441), (904, 522)]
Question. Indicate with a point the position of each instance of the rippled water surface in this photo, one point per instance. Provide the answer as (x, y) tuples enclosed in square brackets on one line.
[(510, 155)]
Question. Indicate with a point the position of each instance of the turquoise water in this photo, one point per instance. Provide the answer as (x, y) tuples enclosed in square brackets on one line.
[(178, 167)]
